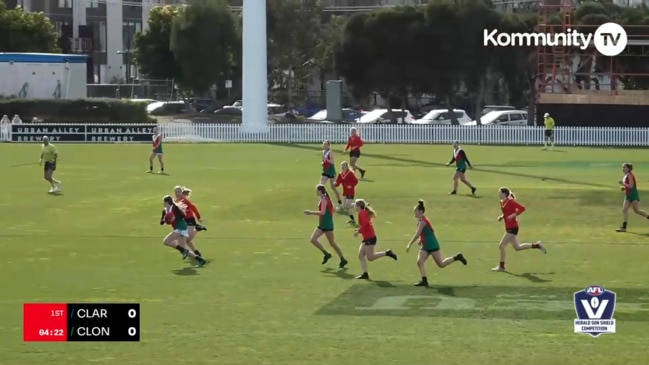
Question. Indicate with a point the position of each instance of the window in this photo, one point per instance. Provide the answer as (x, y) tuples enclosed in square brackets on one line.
[(65, 4), (93, 3), (98, 35), (58, 26), (515, 116), (129, 30)]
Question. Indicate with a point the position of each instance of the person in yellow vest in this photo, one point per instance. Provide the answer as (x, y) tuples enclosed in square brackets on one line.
[(548, 121)]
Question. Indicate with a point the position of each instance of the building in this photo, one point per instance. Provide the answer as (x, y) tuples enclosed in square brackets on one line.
[(103, 29)]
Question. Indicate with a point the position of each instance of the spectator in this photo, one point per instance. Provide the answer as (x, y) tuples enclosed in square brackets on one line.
[(16, 120), (5, 129)]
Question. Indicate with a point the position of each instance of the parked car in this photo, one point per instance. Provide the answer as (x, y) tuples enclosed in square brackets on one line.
[(167, 108), (237, 104), (382, 116), (349, 115), (493, 108), (143, 101), (503, 117), (443, 117)]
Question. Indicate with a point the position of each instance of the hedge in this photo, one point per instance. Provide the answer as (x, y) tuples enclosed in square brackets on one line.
[(76, 111)]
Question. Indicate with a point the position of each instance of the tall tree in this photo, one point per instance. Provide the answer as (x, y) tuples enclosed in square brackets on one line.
[(294, 31), (204, 37), (152, 48), (333, 34), (26, 32)]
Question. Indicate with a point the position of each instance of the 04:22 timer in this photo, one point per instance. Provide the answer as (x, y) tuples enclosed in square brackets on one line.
[(47, 332)]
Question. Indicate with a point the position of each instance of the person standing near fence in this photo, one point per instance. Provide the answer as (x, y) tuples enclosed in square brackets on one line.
[(5, 129), (548, 121)]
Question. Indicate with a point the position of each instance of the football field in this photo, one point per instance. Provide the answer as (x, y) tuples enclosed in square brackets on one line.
[(265, 298)]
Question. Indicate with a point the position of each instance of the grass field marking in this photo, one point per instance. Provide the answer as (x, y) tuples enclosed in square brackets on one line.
[(528, 302)]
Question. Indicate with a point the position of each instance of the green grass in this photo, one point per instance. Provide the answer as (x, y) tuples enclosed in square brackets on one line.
[(265, 298)]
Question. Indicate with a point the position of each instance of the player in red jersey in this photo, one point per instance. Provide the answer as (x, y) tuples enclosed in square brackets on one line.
[(174, 214), (511, 210), (348, 180), (366, 230), (325, 226), (354, 145), (182, 195), (157, 151)]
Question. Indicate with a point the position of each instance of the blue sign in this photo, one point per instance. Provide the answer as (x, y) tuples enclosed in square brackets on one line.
[(595, 307)]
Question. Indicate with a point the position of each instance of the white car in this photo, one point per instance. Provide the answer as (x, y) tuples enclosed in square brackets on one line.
[(443, 117), (504, 118), (382, 116)]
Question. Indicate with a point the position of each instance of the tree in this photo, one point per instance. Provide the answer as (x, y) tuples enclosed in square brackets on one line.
[(26, 32), (204, 38), (376, 53), (152, 48), (294, 31), (333, 34)]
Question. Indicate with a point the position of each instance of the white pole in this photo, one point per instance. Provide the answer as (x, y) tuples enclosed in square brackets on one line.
[(255, 69)]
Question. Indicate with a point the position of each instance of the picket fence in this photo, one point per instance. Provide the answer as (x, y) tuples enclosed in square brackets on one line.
[(407, 134)]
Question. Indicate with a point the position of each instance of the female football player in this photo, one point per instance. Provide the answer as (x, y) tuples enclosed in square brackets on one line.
[(511, 210), (354, 144), (429, 245), (182, 195), (348, 180), (329, 169), (175, 216), (157, 151), (631, 195), (325, 226), (366, 229), (461, 163)]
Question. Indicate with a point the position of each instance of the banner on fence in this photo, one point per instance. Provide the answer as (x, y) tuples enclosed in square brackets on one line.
[(99, 133)]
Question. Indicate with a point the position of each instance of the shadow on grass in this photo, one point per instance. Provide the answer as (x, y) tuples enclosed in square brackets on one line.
[(437, 164), (58, 193), (341, 273), (532, 277), (187, 271), (639, 234)]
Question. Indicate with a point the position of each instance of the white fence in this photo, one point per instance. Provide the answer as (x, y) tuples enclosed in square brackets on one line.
[(336, 133), (414, 134)]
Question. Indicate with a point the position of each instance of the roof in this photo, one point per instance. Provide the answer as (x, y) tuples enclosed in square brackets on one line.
[(42, 58)]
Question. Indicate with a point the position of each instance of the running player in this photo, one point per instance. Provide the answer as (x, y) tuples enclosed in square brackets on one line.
[(157, 151), (329, 169), (429, 245), (49, 157), (348, 180), (366, 230), (325, 227), (192, 214), (178, 237), (354, 145), (632, 197), (461, 163), (511, 210)]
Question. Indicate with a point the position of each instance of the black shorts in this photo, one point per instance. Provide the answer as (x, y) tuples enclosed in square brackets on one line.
[(370, 241), (325, 229), (191, 222), (328, 176), (355, 153), (430, 251), (462, 171), (50, 166), (350, 197), (549, 133), (513, 231)]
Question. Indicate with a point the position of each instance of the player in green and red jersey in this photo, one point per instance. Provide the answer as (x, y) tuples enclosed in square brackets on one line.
[(461, 164), (157, 151), (429, 245), (325, 226), (631, 195), (329, 170), (366, 230), (178, 237)]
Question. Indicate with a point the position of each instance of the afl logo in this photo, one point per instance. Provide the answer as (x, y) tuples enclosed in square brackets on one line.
[(595, 290)]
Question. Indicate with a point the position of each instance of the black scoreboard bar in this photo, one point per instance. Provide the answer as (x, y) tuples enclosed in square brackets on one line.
[(103, 322)]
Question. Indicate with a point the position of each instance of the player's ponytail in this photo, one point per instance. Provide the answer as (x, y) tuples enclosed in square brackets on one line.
[(420, 206), (366, 207), (322, 190)]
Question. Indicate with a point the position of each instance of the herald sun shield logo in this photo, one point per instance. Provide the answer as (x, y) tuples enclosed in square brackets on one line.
[(595, 307)]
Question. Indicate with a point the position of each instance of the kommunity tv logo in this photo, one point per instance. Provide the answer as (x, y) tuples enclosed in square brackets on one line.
[(610, 39)]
